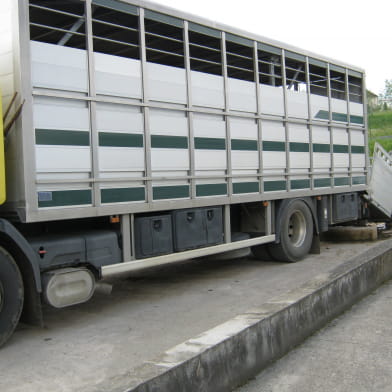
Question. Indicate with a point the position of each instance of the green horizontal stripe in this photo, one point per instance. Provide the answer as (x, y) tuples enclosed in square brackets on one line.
[(116, 5), (204, 30), (211, 189), (356, 119), (239, 40), (322, 115), (162, 18), (245, 187), (340, 149), (359, 180), (322, 182), (210, 143), (342, 117), (271, 186), (118, 195), (355, 73), (163, 141), (299, 147), (336, 68), (170, 192), (318, 63), (112, 139), (299, 184), (358, 149), (274, 146), (341, 181), (269, 49), (318, 147), (295, 56), (64, 198), (339, 117), (244, 145), (55, 137)]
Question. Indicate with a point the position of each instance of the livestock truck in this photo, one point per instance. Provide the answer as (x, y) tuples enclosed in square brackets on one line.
[(148, 136)]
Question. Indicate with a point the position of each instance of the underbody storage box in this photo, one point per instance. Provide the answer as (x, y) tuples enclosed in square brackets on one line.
[(153, 236), (197, 227), (102, 248), (345, 207), (97, 248)]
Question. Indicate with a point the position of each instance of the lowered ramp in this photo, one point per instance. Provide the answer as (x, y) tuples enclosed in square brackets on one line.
[(380, 185)]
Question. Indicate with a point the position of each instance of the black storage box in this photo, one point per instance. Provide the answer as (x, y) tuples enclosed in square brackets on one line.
[(153, 236), (197, 227), (96, 247), (345, 207)]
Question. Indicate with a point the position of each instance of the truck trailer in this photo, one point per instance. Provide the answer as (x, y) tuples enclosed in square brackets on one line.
[(148, 136)]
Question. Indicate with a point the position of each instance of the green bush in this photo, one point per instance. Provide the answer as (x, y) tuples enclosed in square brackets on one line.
[(385, 143), (381, 120), (380, 125)]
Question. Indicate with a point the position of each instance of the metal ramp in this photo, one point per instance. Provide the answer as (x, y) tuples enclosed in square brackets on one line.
[(380, 185)]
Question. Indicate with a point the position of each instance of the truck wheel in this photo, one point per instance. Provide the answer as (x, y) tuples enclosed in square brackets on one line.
[(296, 233), (11, 295)]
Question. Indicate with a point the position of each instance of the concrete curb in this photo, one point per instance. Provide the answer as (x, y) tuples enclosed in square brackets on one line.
[(228, 355)]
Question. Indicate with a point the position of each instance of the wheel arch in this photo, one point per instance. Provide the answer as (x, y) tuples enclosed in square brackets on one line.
[(282, 207), (26, 259)]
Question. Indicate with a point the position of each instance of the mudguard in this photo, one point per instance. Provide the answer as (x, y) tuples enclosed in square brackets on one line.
[(27, 260), (9, 235)]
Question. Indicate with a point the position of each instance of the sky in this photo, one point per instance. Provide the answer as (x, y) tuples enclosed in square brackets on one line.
[(352, 31)]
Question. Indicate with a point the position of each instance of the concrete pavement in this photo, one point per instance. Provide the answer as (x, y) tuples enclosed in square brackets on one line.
[(112, 335), (352, 353), (168, 331)]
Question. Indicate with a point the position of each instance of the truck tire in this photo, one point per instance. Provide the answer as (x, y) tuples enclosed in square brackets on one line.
[(11, 295), (296, 233)]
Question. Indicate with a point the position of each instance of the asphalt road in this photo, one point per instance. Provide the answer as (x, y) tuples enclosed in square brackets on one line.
[(146, 315), (352, 353)]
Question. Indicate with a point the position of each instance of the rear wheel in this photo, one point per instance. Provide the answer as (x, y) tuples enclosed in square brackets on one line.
[(11, 295), (296, 233)]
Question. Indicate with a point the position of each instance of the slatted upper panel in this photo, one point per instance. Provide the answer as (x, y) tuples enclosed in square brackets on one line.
[(143, 107)]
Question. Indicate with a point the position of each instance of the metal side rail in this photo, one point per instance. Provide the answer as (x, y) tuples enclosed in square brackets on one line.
[(380, 185), (136, 265)]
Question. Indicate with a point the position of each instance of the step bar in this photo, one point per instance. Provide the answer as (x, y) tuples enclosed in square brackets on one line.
[(119, 269)]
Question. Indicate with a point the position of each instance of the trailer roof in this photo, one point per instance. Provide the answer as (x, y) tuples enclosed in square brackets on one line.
[(233, 30)]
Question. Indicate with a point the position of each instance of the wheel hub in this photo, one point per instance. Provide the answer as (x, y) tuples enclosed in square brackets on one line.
[(297, 228)]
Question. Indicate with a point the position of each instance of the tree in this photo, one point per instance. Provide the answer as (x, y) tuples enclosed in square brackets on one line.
[(387, 93)]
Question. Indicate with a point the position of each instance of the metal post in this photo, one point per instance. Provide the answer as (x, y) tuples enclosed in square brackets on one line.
[(330, 129), (133, 248), (146, 109), (286, 122), (227, 110), (309, 125), (348, 128), (25, 142), (227, 224), (268, 219), (365, 128), (259, 122), (191, 143), (92, 106), (126, 237)]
